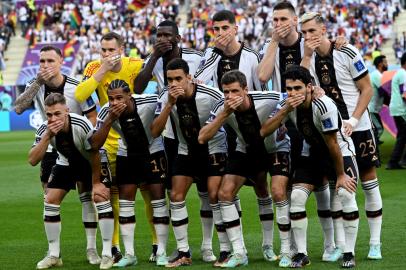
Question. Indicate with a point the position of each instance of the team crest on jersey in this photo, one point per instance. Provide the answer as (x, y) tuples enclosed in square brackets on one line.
[(326, 79), (212, 117), (359, 65), (202, 63), (327, 123), (159, 106)]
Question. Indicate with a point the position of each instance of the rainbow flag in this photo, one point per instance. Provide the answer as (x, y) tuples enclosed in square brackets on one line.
[(75, 18), (138, 4), (40, 20), (68, 49)]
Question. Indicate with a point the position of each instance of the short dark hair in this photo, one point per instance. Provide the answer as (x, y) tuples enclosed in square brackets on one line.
[(113, 35), (233, 76), (117, 83), (378, 60), (178, 63), (55, 98), (300, 73), (172, 24), (285, 5), (403, 59), (224, 15), (47, 48)]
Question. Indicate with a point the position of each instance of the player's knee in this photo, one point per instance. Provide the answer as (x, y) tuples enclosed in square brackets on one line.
[(213, 196), (298, 200), (177, 196), (278, 194), (225, 195), (347, 200)]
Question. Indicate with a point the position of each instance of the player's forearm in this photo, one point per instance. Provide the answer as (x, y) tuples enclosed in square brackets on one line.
[(306, 61), (159, 123), (37, 153), (85, 89), (363, 101), (267, 65), (335, 152), (99, 137), (209, 130), (274, 122), (96, 166), (143, 78), (24, 101), (92, 116)]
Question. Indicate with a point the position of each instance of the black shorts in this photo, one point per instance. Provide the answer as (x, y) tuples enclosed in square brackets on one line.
[(65, 177), (245, 165), (365, 148), (200, 167), (279, 164), (48, 161), (142, 170), (312, 171)]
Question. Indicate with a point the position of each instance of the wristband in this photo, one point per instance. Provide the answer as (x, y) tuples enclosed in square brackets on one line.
[(353, 121)]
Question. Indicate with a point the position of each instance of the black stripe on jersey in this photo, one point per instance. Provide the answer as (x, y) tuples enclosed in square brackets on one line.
[(361, 76), (218, 105), (164, 91), (209, 62), (41, 129), (141, 99), (103, 113), (320, 105), (81, 123), (252, 51), (209, 91), (283, 103), (72, 81), (146, 102), (191, 51), (347, 142), (269, 95), (31, 81), (348, 52)]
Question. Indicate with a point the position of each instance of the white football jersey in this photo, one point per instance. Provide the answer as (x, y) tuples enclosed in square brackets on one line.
[(81, 131), (265, 103), (285, 57), (214, 64), (320, 118), (146, 105), (204, 98), (337, 73)]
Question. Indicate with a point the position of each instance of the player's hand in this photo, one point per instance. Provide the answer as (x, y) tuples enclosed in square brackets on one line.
[(55, 127), (346, 182), (340, 42), (101, 190), (109, 62), (311, 45), (231, 104), (294, 101), (222, 41), (173, 94), (347, 128), (317, 92), (162, 47), (116, 110), (280, 32), (45, 74)]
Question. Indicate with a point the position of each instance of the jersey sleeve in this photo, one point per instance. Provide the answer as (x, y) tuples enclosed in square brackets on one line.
[(102, 115), (216, 109), (153, 71), (357, 66), (327, 115), (39, 133), (263, 49), (88, 105), (162, 100), (257, 83), (89, 84), (208, 65)]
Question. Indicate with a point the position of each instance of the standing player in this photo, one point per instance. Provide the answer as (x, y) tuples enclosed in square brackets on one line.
[(342, 73), (189, 104), (167, 48), (69, 134), (284, 49), (51, 80), (140, 159), (319, 122), (97, 77), (244, 111)]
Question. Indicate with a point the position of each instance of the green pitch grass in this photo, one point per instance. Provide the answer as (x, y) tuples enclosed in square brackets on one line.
[(23, 242)]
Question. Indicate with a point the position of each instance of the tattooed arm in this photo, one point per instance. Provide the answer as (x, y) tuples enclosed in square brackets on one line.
[(24, 101)]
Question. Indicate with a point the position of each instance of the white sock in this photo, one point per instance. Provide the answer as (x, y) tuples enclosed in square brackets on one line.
[(106, 225), (127, 225), (237, 203), (293, 247), (298, 217), (337, 215), (180, 222), (206, 217), (161, 224), (283, 221), (52, 224), (373, 208), (225, 244), (231, 220), (266, 217), (89, 218), (350, 219), (323, 210)]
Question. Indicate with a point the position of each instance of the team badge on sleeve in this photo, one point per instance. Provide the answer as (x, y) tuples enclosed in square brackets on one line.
[(158, 107), (327, 123), (359, 65), (212, 117)]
